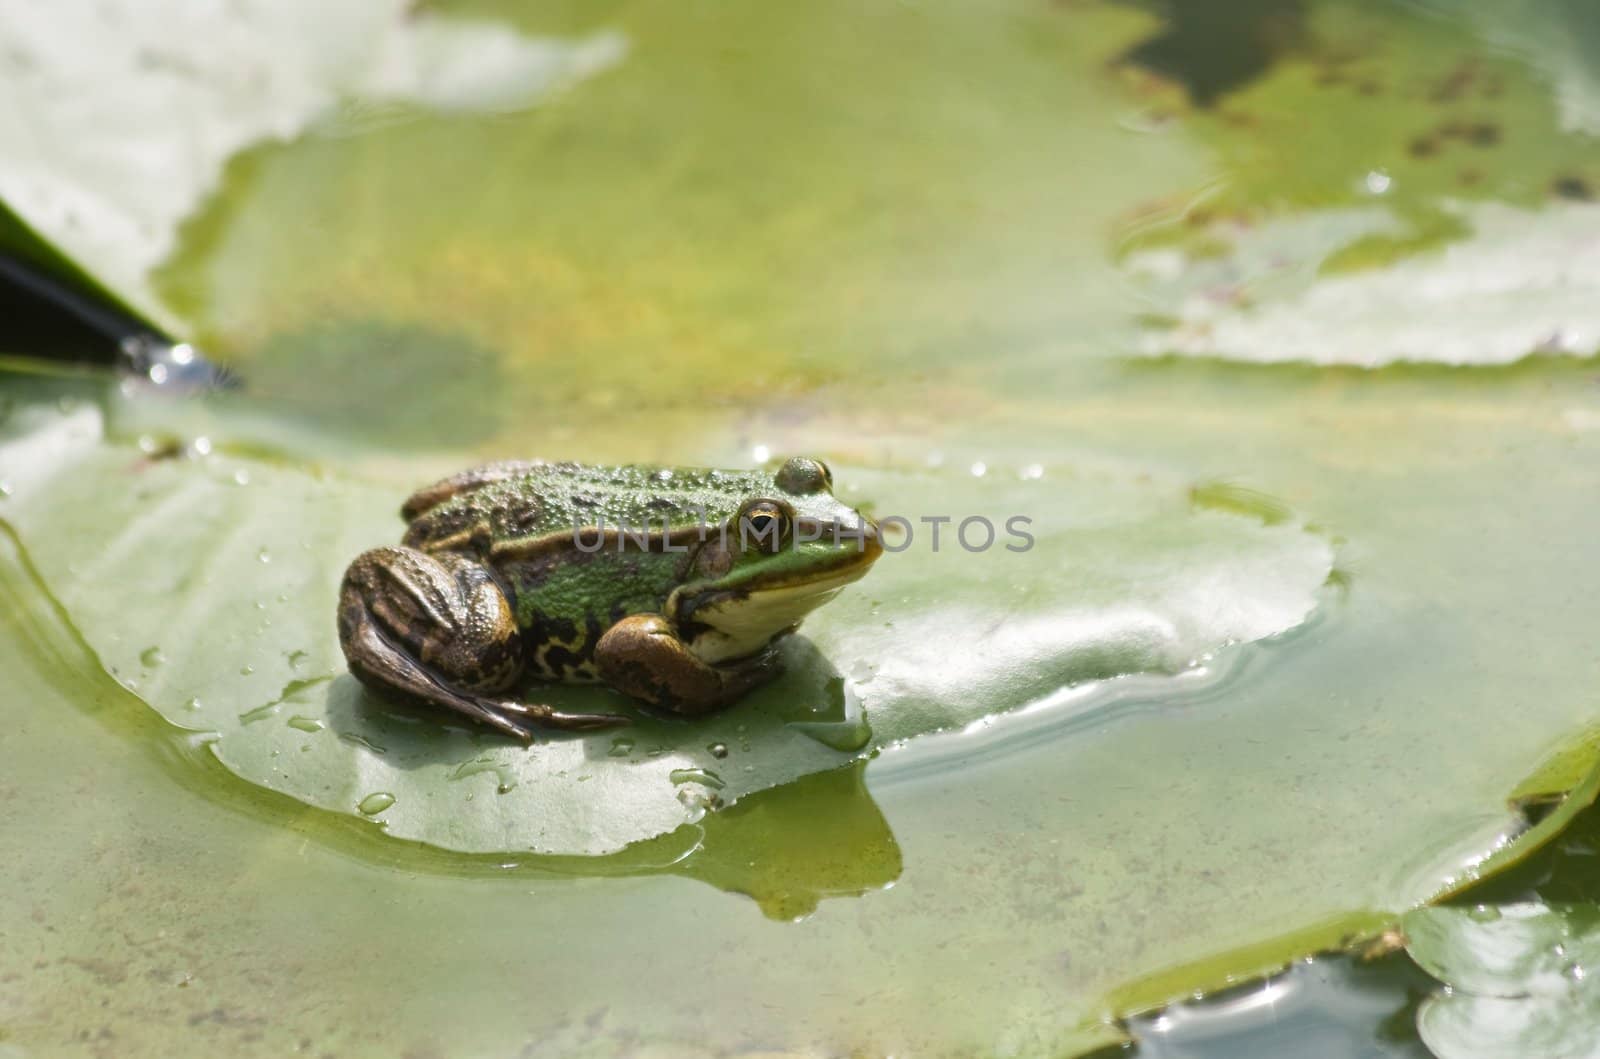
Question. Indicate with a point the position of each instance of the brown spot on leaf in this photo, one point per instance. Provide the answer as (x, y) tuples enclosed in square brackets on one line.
[(1423, 147), (1574, 188), (1456, 83)]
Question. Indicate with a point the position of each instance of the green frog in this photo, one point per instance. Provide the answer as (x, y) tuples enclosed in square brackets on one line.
[(671, 585)]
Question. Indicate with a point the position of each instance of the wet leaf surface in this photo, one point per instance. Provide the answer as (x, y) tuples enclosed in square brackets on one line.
[(227, 571), (902, 238), (1517, 975)]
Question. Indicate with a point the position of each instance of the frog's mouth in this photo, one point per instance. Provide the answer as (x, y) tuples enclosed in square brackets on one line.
[(735, 623)]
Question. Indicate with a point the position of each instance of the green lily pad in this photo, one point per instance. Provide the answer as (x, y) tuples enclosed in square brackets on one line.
[(1519, 978), (1455, 229), (226, 571), (1556, 39), (110, 186), (889, 235), (1523, 282)]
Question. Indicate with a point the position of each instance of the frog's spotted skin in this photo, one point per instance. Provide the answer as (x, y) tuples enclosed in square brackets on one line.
[(669, 584)]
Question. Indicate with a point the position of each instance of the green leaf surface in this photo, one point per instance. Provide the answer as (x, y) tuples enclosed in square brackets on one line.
[(227, 571), (901, 237), (1453, 228), (1523, 282), (1518, 977), (108, 176)]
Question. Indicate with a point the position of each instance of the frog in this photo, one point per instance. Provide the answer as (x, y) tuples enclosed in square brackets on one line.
[(674, 586)]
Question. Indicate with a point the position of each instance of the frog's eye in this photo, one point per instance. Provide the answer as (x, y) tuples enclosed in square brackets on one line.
[(801, 476), (764, 524)]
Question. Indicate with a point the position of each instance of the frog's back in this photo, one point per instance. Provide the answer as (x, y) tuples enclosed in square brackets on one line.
[(527, 519), (522, 505)]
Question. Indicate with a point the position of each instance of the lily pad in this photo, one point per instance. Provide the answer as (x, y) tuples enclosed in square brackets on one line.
[(1519, 978), (1454, 229), (1524, 282), (111, 183), (888, 235), (227, 568)]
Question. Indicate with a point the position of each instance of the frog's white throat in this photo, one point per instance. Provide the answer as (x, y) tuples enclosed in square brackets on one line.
[(740, 625)]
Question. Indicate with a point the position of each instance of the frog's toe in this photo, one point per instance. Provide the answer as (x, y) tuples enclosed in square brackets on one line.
[(547, 717)]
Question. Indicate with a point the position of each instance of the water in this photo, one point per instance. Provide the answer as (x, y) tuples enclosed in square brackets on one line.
[(1331, 1006)]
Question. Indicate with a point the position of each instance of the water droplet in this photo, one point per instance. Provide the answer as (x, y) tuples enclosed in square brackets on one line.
[(296, 659), (241, 477), (621, 747), (264, 556), (192, 704), (1378, 182), (1032, 472), (478, 766), (373, 804), (65, 405), (1575, 972), (245, 671), (979, 469), (260, 713), (305, 724), (201, 446), (718, 749), (1484, 913), (5, 489), (761, 454), (362, 741), (704, 777), (151, 657)]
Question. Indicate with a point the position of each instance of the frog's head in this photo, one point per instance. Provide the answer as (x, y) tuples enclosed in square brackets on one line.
[(785, 551)]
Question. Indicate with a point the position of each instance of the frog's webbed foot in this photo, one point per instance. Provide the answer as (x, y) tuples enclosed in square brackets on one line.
[(438, 630), (642, 656)]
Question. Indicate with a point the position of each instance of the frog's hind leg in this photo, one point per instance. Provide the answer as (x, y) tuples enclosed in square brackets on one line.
[(438, 629)]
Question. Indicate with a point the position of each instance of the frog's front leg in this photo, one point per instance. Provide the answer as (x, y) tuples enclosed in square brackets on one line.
[(436, 628), (643, 656)]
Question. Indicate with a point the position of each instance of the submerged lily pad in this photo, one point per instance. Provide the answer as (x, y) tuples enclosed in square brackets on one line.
[(226, 571)]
